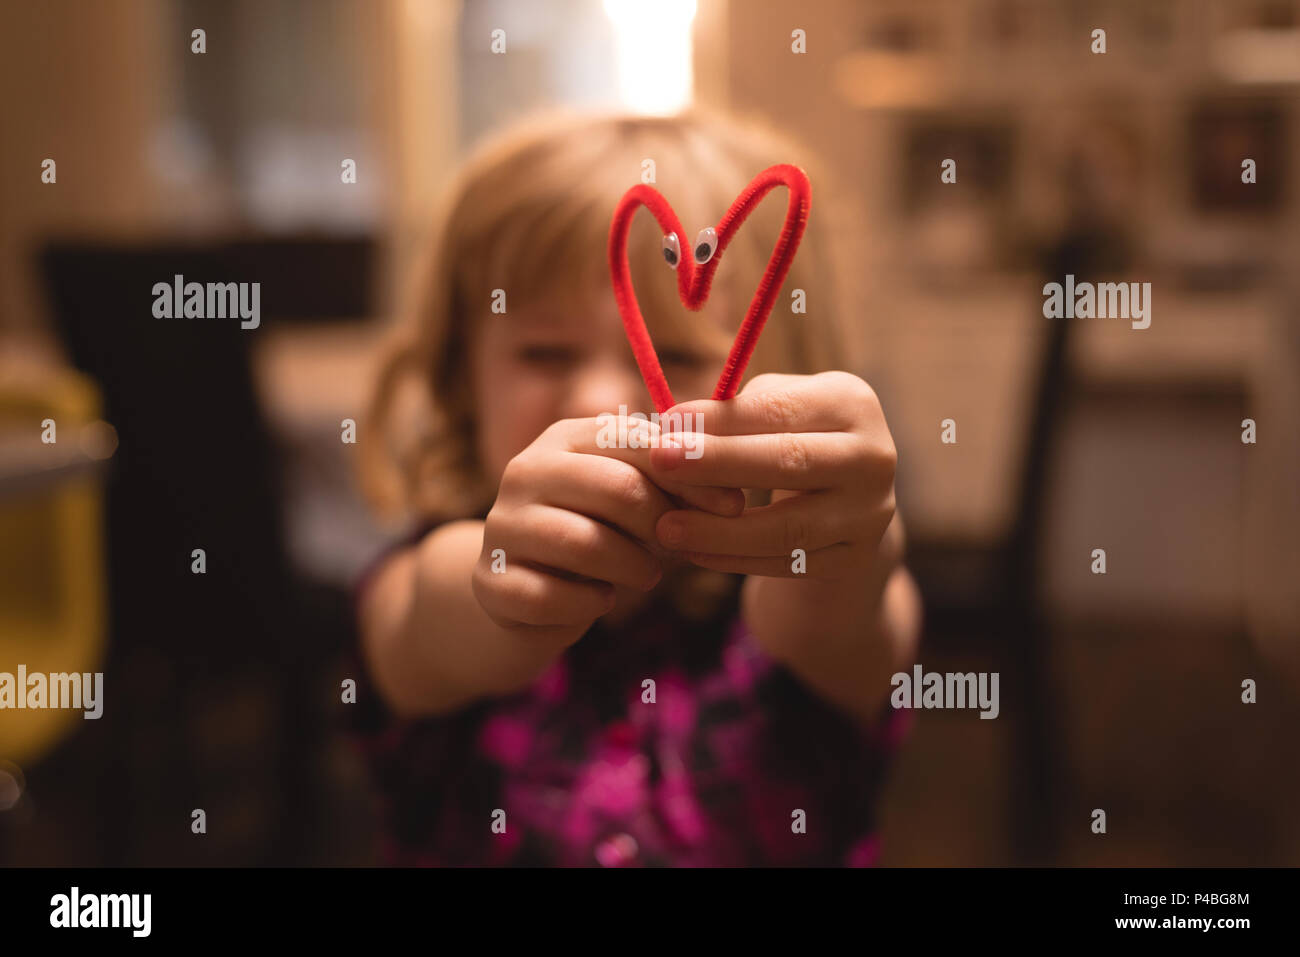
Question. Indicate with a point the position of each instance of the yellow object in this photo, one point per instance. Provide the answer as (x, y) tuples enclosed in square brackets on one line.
[(52, 602)]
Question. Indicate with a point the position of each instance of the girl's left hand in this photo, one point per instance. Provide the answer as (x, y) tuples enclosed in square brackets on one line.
[(820, 443)]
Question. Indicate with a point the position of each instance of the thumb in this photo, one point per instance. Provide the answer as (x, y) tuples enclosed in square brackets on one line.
[(727, 502)]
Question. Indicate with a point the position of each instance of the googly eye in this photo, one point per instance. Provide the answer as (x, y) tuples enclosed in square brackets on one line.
[(705, 244), (672, 250)]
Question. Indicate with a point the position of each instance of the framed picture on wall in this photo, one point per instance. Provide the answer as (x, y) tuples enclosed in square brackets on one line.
[(983, 150), (1222, 135)]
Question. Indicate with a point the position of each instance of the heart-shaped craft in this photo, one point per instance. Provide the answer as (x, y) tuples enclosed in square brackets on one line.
[(695, 270)]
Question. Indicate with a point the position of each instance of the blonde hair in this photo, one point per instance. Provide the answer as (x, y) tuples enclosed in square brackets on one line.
[(529, 212)]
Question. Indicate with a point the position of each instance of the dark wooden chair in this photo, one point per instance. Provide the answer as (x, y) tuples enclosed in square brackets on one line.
[(215, 682), (986, 598)]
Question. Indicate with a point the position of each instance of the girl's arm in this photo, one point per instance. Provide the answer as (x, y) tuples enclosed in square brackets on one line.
[(843, 639), (481, 608), (430, 647), (825, 592)]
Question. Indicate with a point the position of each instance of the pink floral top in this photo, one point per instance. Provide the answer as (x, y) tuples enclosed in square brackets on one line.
[(725, 760)]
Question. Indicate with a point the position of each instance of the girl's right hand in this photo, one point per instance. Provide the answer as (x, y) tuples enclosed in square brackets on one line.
[(571, 522)]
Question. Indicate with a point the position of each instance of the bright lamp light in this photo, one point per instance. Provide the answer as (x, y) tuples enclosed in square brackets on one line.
[(654, 53)]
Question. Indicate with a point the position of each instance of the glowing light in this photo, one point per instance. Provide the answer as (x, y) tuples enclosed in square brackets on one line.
[(654, 53), (1259, 56)]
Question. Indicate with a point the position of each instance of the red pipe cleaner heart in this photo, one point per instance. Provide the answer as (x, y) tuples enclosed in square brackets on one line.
[(695, 271)]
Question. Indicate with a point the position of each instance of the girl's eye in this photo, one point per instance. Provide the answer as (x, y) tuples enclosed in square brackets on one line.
[(682, 358), (543, 355)]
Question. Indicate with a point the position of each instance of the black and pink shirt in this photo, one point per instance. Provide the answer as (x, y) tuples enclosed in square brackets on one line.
[(735, 762)]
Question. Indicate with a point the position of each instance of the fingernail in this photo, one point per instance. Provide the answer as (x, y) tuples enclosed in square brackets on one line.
[(671, 452), (671, 421), (670, 531)]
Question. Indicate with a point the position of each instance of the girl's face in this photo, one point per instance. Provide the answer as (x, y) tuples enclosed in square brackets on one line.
[(533, 367)]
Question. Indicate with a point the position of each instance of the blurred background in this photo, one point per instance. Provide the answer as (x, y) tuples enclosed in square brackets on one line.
[(1119, 691)]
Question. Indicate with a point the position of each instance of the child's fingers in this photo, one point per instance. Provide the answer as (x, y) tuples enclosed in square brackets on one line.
[(528, 596), (775, 403), (573, 543), (630, 441), (811, 522), (785, 460), (601, 488), (710, 498), (833, 563)]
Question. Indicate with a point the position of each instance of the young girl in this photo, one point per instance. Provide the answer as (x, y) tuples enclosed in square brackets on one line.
[(587, 655)]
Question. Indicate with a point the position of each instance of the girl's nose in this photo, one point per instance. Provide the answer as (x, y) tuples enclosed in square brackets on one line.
[(601, 386)]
